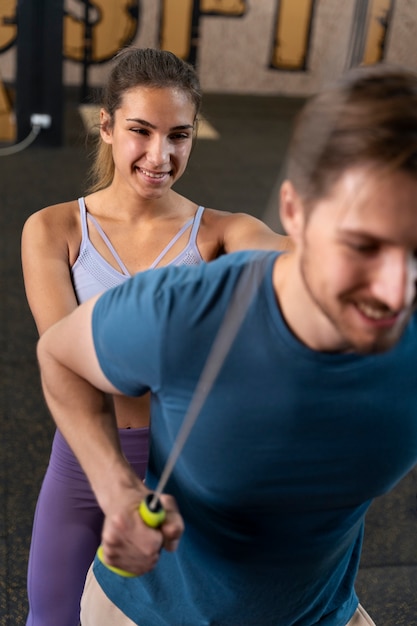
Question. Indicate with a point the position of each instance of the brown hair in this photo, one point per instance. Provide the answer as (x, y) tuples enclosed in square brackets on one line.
[(135, 67), (368, 117)]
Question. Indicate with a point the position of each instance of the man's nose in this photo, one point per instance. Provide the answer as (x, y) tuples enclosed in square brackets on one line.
[(394, 282)]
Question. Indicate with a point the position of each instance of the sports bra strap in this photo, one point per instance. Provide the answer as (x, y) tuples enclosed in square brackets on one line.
[(83, 215), (84, 233), (108, 244), (196, 223)]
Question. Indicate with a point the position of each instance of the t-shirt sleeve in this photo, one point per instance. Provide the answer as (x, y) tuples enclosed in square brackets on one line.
[(160, 324), (128, 328)]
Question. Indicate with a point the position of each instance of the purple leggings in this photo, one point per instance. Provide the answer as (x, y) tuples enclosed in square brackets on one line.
[(67, 532)]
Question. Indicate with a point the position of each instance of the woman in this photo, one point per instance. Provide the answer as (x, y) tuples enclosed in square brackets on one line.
[(132, 220)]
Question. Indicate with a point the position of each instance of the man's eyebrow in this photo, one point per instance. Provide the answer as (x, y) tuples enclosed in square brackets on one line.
[(364, 235), (356, 233), (149, 125)]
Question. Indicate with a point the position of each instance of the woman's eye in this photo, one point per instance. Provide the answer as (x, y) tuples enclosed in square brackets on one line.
[(179, 136), (140, 131)]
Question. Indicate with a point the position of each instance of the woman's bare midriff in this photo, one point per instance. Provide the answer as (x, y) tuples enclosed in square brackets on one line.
[(132, 412)]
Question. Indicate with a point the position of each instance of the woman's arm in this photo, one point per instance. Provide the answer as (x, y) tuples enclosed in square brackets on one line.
[(73, 385), (245, 232), (240, 231), (46, 264)]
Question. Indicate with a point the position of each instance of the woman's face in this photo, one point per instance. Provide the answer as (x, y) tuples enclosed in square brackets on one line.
[(151, 138)]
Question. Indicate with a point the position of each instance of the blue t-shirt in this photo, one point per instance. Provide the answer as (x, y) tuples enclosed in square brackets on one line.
[(283, 461)]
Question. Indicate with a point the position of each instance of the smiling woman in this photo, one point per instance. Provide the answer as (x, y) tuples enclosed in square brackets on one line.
[(150, 152), (131, 220)]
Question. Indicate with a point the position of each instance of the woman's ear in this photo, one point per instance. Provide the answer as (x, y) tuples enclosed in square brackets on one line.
[(106, 126), (291, 210)]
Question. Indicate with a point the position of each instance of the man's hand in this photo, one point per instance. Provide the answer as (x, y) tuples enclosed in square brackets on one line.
[(130, 545)]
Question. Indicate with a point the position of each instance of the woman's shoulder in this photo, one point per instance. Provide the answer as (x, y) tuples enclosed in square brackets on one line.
[(215, 217), (215, 231), (221, 216), (64, 215), (219, 220), (242, 231)]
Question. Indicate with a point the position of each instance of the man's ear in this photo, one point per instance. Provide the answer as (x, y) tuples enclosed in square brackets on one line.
[(291, 210), (106, 127)]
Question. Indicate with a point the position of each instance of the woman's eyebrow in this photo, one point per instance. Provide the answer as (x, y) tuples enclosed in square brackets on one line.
[(145, 123)]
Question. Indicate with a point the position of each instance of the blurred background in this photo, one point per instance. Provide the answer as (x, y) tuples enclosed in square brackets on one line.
[(257, 60), (286, 47)]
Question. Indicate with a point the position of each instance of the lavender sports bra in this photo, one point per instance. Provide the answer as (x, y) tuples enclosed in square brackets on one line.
[(92, 274)]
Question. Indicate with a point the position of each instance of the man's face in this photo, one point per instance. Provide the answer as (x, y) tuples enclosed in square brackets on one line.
[(358, 261)]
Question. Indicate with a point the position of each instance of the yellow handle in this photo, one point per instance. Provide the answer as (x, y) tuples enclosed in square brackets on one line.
[(115, 570), (153, 516), (152, 513)]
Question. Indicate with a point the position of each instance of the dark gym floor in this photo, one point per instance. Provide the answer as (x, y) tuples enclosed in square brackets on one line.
[(237, 172)]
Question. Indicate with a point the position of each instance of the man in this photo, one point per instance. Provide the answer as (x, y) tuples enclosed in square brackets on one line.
[(312, 415)]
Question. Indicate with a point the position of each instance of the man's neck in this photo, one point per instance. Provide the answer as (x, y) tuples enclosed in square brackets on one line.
[(301, 314)]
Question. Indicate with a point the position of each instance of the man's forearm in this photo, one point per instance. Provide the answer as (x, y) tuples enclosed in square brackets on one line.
[(85, 418), (76, 389)]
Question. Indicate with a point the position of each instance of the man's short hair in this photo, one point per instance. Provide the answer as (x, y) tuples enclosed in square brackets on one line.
[(368, 117)]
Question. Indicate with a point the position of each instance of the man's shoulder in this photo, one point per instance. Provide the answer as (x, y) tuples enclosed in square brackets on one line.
[(216, 270), (178, 287), (236, 262)]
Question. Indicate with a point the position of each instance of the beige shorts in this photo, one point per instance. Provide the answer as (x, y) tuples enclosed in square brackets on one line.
[(98, 610)]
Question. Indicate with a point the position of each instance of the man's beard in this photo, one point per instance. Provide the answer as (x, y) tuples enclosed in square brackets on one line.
[(374, 344)]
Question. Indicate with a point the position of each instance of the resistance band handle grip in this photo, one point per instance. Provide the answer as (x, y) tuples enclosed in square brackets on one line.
[(151, 511), (153, 514)]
